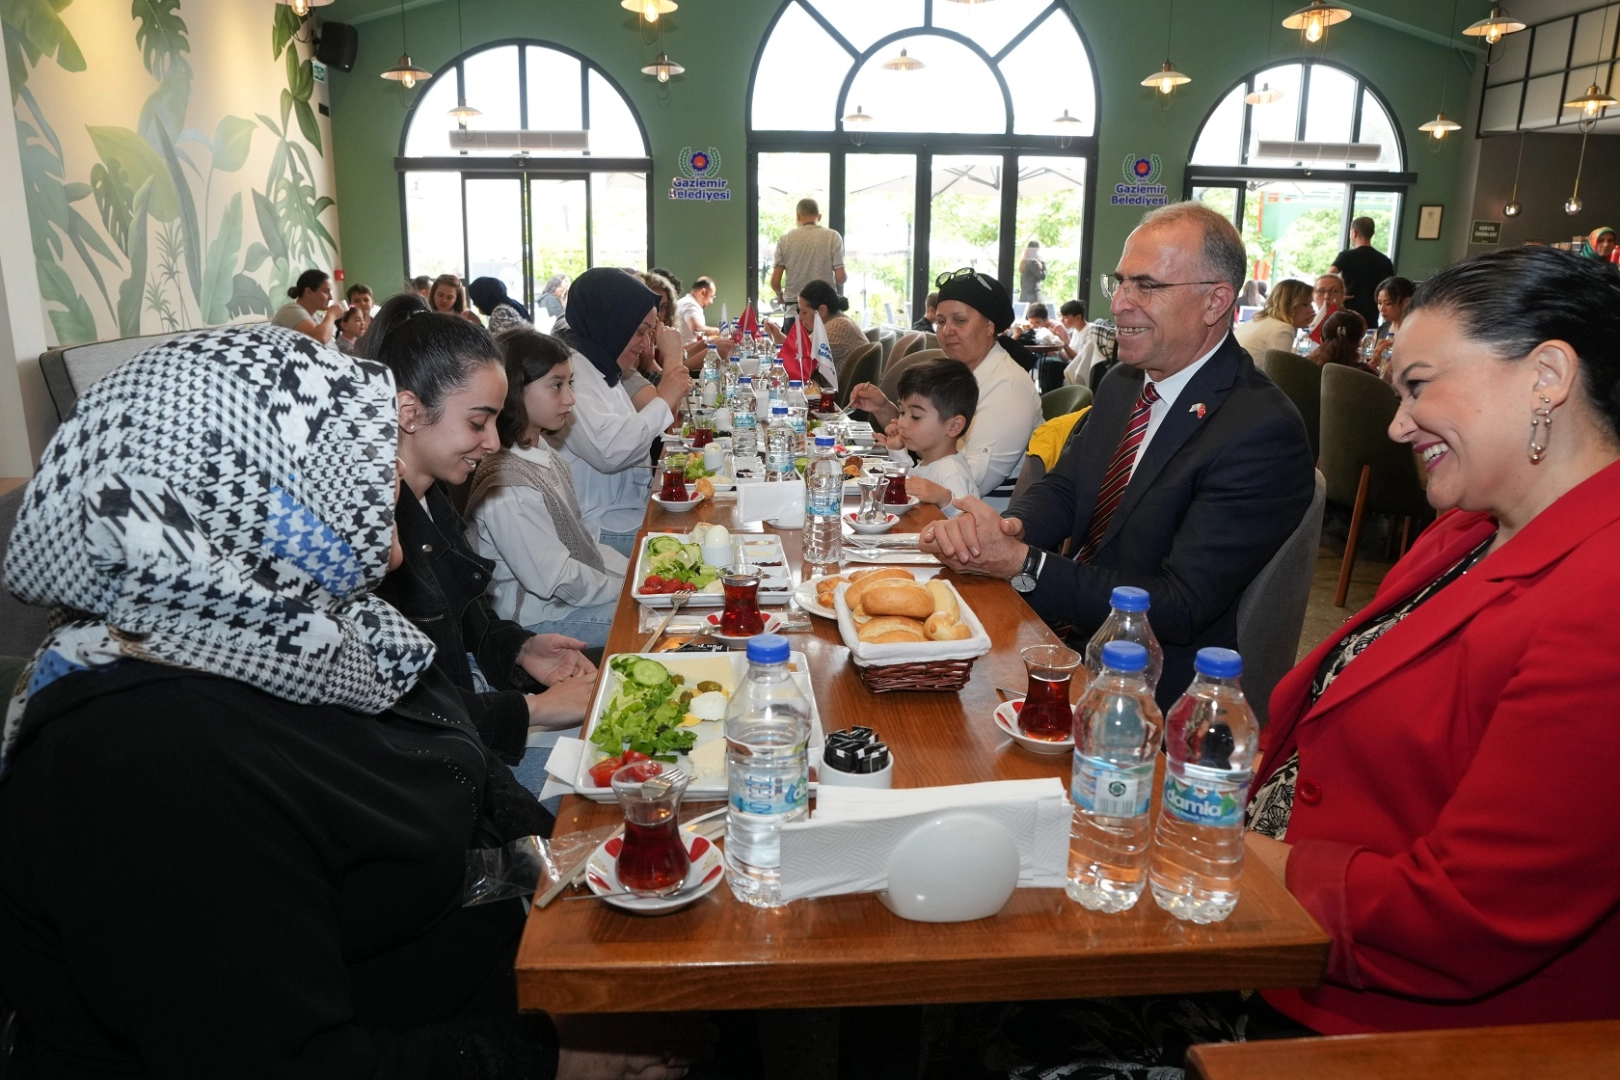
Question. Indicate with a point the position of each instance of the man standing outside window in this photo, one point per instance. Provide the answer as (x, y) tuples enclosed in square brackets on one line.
[(1362, 267), (805, 254)]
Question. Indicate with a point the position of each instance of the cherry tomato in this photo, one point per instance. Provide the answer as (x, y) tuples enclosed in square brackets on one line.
[(632, 756), (602, 772)]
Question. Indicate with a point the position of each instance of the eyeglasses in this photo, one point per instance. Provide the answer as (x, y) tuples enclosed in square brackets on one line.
[(1141, 288), (989, 283)]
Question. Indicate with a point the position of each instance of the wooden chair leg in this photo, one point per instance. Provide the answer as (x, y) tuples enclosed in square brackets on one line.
[(1355, 535), (1406, 534)]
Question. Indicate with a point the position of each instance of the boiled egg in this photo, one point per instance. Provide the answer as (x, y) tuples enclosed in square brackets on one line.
[(710, 705)]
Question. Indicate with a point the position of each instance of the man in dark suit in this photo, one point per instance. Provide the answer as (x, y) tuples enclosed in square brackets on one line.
[(1192, 471)]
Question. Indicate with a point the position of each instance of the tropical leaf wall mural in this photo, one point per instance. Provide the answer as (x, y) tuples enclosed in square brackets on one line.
[(170, 185)]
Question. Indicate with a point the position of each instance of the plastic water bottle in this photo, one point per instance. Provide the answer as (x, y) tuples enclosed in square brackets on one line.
[(1127, 622), (1116, 736), (712, 381), (1210, 741), (776, 379), (779, 446), (1303, 345), (728, 389), (823, 537), (744, 421), (767, 736), (798, 418)]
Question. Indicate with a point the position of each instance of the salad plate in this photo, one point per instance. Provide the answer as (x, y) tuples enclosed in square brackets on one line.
[(671, 556), (638, 706), (602, 876)]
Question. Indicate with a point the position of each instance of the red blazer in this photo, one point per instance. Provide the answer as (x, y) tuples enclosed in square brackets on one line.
[(1454, 827)]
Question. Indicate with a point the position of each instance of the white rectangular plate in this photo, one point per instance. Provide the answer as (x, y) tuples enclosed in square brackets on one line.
[(760, 549), (728, 670), (890, 555)]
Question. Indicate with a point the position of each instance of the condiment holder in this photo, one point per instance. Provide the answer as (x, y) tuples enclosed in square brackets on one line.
[(856, 757)]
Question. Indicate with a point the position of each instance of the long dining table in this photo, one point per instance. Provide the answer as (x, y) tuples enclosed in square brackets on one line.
[(719, 953)]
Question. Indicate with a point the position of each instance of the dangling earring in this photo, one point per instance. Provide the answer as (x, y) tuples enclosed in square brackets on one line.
[(1539, 416)]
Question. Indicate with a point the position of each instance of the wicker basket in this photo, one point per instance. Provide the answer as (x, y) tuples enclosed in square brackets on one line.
[(928, 675)]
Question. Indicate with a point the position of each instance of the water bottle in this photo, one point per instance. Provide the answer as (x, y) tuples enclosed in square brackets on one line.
[(1127, 622), (712, 381), (1303, 345), (776, 380), (744, 421), (733, 377), (798, 418), (1210, 741), (1116, 736), (779, 446), (823, 537), (767, 736)]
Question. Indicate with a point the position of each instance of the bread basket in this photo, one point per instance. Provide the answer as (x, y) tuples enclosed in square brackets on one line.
[(923, 665)]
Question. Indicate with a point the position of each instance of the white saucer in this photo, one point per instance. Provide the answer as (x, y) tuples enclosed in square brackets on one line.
[(713, 619), (1007, 721), (601, 874), (871, 528), (679, 507)]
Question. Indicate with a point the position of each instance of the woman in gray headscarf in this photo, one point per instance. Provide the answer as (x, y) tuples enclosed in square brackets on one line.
[(234, 804)]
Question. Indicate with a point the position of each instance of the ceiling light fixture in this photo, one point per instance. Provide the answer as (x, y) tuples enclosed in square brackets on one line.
[(1442, 125), (406, 73), (1438, 128), (301, 8), (1495, 26), (857, 123), (903, 62), (650, 10), (663, 67), (1314, 19), (1266, 95), (1513, 209), (462, 112), (1167, 78), (1066, 126), (1594, 101), (1572, 205)]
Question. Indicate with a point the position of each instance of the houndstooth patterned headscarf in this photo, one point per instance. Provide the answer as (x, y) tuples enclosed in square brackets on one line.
[(223, 502)]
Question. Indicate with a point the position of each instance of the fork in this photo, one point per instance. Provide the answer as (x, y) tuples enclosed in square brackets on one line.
[(675, 602)]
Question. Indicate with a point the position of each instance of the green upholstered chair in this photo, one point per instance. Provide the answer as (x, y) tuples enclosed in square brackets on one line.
[(1064, 400), (1301, 380)]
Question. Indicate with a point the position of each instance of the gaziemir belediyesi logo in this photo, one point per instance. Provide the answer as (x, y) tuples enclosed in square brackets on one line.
[(1141, 186), (700, 178)]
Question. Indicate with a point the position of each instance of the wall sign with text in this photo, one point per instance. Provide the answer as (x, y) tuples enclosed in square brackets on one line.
[(700, 179), (1141, 186)]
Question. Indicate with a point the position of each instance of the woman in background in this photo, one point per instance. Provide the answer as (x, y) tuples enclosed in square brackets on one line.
[(1288, 310), (448, 297), (1394, 295), (488, 294), (1342, 332), (311, 310), (553, 299)]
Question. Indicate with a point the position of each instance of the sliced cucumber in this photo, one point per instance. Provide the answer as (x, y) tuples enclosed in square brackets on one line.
[(648, 673), (660, 544)]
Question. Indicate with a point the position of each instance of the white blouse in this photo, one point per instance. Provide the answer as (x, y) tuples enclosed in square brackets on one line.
[(608, 445), (1008, 413)]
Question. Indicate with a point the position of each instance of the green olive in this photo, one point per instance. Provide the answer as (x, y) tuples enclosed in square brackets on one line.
[(678, 680), (707, 685)]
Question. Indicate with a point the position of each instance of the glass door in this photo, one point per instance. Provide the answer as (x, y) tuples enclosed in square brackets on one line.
[(784, 179), (1051, 209), (557, 229), (1384, 207), (964, 222), (495, 234), (880, 203)]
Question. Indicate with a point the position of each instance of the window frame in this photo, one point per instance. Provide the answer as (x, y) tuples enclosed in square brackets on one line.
[(523, 168), (924, 145)]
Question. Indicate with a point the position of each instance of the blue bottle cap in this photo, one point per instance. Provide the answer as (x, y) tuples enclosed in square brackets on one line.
[(778, 410), (1129, 598), (1218, 663), (796, 382), (749, 379), (771, 649), (824, 440), (1125, 656)]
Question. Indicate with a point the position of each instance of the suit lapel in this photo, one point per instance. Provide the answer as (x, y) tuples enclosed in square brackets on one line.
[(1211, 386)]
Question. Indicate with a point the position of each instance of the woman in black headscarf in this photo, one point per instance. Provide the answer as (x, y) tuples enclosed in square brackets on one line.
[(504, 313), (974, 310), (612, 318)]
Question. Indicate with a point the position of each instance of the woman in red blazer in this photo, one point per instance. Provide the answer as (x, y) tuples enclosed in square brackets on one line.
[(1440, 781)]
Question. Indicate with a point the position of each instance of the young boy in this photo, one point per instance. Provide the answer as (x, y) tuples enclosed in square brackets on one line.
[(937, 399)]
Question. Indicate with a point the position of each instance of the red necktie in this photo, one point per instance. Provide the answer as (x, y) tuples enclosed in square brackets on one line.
[(1119, 472)]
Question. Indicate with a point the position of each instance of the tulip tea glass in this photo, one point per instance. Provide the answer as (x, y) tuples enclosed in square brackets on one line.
[(871, 498), (1046, 713), (674, 489), (895, 493), (829, 401), (653, 861), (741, 616)]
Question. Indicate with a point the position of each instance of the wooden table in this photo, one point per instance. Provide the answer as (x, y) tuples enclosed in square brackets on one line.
[(851, 950), (1497, 1053), (9, 482)]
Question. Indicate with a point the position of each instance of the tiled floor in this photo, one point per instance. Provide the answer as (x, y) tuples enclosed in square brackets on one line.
[(1321, 617)]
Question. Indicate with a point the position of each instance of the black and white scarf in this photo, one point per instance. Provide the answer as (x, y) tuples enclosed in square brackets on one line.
[(223, 502)]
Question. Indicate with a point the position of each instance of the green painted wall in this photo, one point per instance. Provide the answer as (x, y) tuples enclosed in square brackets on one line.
[(1399, 52)]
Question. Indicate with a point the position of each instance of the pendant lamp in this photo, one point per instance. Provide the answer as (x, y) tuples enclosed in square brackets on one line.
[(1167, 78), (1495, 26), (650, 10), (406, 73), (903, 62), (1572, 205), (1066, 126), (857, 123), (1265, 95), (1595, 100), (663, 68), (1315, 18), (1513, 209), (462, 112), (302, 8)]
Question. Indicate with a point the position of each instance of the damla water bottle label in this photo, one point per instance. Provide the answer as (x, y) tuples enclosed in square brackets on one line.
[(770, 794), (1219, 804), (822, 501), (1111, 791)]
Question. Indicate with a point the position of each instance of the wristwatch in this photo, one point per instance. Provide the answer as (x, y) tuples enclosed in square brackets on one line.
[(1024, 580)]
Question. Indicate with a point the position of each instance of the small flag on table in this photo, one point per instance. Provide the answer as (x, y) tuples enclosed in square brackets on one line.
[(822, 351), (795, 354)]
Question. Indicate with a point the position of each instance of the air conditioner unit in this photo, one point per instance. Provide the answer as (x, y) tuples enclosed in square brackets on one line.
[(1305, 152), (518, 142)]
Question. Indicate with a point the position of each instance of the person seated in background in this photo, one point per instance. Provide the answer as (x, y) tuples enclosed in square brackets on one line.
[(351, 326), (612, 317), (553, 299), (311, 310), (1329, 297), (937, 399), (294, 788), (667, 275), (395, 310), (1072, 315), (668, 348), (450, 384), (1394, 296), (689, 310), (421, 285), (1191, 471), (358, 295), (1341, 341), (843, 335), (930, 313), (551, 575), (1288, 311), (1043, 331), (503, 313), (1600, 244), (1097, 351), (448, 297), (974, 315)]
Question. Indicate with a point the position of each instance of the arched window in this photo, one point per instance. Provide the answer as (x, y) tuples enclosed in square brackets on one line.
[(964, 159), (550, 178), (1293, 172)]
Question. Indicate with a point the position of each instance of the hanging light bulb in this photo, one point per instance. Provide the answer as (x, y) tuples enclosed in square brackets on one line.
[(1572, 205), (406, 73), (1591, 103), (302, 8), (1440, 126), (663, 68), (1166, 79), (903, 62), (1495, 26), (1263, 96), (1513, 209), (1315, 19), (1066, 127), (856, 123), (649, 10), (464, 112)]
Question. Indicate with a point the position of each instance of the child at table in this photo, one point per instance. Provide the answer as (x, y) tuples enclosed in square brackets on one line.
[(937, 400)]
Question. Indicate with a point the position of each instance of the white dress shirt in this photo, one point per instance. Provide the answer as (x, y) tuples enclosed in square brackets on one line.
[(688, 318), (536, 579), (607, 445), (1169, 390), (1009, 410)]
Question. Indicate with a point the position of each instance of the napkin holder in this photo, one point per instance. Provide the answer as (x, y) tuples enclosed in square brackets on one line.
[(779, 503), (955, 868)]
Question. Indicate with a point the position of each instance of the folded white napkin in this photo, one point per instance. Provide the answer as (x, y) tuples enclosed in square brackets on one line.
[(562, 766), (845, 846), (779, 502)]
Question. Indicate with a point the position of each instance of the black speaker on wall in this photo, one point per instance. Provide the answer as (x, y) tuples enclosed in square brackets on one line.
[(338, 45)]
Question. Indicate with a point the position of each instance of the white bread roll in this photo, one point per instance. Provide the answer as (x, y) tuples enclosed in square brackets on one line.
[(898, 598), (890, 628), (944, 599), (862, 580), (942, 627)]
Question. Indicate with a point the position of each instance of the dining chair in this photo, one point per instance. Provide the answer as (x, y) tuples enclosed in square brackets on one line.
[(930, 341), (1033, 469), (1301, 380), (903, 344), (890, 382), (1271, 610), (1365, 469), (1064, 400), (858, 367), (886, 340)]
